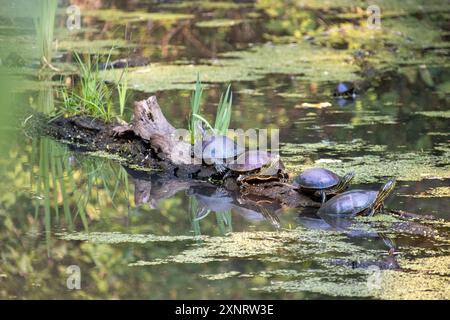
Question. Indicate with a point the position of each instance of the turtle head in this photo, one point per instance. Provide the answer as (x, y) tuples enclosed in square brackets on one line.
[(199, 127), (345, 181), (386, 190)]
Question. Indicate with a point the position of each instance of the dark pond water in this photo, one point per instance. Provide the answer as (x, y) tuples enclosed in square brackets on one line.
[(135, 234)]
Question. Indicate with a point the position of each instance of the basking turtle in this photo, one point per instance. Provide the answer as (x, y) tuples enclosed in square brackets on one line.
[(356, 202), (218, 150), (345, 89), (256, 166), (322, 182)]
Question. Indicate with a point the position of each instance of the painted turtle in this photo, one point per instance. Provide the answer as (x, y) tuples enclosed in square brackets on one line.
[(256, 166), (322, 182), (356, 202), (218, 150), (345, 89)]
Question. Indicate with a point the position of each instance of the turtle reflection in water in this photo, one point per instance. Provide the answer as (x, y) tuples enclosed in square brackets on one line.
[(356, 202), (258, 209), (322, 182), (211, 199), (257, 166), (355, 230), (220, 200)]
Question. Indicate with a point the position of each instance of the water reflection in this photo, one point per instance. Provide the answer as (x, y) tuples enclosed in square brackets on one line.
[(204, 199)]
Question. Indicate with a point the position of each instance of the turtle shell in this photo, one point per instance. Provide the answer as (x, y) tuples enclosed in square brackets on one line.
[(317, 179), (218, 148), (344, 88), (349, 203), (251, 160)]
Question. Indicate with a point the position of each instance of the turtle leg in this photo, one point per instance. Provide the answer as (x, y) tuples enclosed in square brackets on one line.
[(370, 211), (220, 168), (323, 196), (227, 175)]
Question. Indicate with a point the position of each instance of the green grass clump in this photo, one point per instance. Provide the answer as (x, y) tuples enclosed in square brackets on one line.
[(91, 96)]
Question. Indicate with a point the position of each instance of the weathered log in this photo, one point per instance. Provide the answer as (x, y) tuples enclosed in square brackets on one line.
[(150, 124)]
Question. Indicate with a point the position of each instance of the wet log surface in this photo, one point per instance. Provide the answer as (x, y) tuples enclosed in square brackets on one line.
[(151, 142)]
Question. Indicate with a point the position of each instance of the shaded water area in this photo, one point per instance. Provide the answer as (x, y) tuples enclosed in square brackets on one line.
[(136, 234)]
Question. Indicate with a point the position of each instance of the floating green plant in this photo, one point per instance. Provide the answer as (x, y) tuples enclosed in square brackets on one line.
[(204, 4), (438, 192), (405, 166), (125, 17), (121, 238), (218, 23), (97, 47), (310, 62), (374, 165), (435, 114)]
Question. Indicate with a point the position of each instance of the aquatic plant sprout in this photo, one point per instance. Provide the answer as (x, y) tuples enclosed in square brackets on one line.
[(223, 116), (195, 108), (122, 88)]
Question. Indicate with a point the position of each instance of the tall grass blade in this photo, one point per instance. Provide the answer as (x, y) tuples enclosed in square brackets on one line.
[(54, 182), (196, 99), (193, 209), (223, 116), (122, 88)]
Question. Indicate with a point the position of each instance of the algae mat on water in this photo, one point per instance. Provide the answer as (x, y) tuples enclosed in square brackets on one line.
[(124, 17), (288, 254), (374, 166), (218, 23), (315, 64)]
